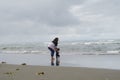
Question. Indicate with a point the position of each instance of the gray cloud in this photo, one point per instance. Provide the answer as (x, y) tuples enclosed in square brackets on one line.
[(82, 19), (54, 12)]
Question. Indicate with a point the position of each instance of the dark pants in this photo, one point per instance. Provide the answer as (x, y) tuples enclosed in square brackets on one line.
[(52, 51)]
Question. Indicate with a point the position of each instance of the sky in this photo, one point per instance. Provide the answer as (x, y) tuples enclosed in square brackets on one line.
[(42, 20)]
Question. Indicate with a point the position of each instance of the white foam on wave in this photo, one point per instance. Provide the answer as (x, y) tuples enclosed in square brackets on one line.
[(88, 43), (23, 52), (113, 52), (100, 42)]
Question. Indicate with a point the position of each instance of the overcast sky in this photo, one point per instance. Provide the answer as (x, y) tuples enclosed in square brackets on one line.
[(39, 20)]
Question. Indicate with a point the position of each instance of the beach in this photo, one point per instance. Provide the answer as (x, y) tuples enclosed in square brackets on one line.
[(72, 67), (78, 61), (30, 72)]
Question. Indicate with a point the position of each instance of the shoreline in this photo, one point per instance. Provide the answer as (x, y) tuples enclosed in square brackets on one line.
[(32, 72), (90, 61)]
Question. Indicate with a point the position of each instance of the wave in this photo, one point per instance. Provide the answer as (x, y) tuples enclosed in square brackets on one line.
[(23, 52), (100, 47), (99, 42), (113, 52)]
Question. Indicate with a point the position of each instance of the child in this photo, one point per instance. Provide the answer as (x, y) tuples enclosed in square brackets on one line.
[(57, 56)]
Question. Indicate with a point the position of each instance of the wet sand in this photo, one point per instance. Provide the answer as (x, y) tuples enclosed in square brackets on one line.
[(32, 72)]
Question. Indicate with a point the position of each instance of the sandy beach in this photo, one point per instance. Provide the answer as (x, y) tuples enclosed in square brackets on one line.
[(30, 72)]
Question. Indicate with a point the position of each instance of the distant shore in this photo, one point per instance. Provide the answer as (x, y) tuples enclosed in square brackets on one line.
[(29, 72)]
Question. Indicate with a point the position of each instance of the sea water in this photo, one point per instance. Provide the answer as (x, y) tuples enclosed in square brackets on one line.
[(96, 47), (92, 53)]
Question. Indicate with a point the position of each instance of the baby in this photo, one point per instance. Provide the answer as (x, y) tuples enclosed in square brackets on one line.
[(57, 57), (57, 52)]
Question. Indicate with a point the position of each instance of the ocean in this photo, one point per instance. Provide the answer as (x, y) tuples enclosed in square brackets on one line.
[(96, 47), (87, 53)]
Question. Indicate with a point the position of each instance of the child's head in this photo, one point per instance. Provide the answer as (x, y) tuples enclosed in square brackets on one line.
[(58, 49)]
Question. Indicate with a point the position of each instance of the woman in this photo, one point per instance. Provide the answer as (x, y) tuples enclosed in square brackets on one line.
[(53, 48)]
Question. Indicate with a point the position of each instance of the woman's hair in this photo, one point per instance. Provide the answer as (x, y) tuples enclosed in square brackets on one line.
[(55, 41)]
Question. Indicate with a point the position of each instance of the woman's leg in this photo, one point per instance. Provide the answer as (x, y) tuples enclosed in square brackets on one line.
[(52, 55)]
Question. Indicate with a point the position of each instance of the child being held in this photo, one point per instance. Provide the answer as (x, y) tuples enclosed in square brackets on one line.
[(57, 52), (57, 56)]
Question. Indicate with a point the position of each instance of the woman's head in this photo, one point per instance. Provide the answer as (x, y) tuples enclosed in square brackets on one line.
[(55, 41)]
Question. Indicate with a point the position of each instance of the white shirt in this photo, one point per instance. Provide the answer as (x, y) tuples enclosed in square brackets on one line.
[(52, 45)]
